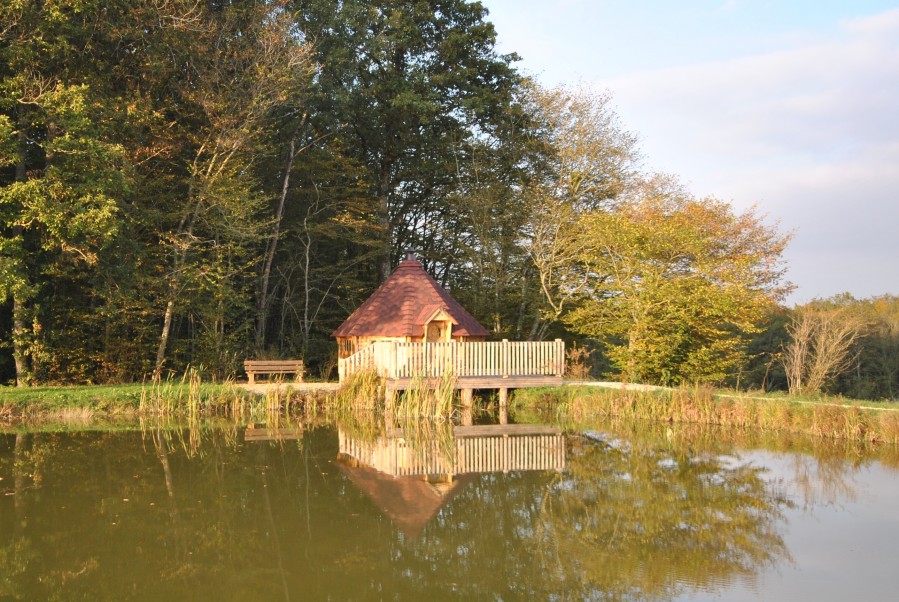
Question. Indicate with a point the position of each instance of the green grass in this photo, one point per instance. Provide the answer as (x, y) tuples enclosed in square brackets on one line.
[(98, 397)]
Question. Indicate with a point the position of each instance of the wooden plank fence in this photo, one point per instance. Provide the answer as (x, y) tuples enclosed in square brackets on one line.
[(399, 360)]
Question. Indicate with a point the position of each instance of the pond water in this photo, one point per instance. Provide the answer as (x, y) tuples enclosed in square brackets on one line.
[(356, 511)]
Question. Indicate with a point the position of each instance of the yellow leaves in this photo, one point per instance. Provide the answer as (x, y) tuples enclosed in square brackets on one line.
[(684, 280)]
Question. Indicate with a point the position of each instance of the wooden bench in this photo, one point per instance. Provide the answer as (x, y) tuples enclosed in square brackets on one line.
[(254, 367)]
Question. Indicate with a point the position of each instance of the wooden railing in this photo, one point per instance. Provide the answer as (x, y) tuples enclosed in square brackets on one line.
[(429, 360), (359, 361)]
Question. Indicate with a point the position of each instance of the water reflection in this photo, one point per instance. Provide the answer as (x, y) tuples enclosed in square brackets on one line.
[(356, 511), (411, 473), (655, 521)]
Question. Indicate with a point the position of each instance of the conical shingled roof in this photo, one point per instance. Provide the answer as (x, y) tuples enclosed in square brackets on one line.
[(401, 306)]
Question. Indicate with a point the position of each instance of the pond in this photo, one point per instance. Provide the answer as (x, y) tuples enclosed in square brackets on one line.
[(430, 511)]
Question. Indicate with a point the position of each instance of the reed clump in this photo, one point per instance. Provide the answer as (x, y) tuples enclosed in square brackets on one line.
[(361, 390), (426, 398), (190, 396)]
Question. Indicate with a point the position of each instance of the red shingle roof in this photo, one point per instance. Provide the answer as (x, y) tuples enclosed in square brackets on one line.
[(401, 305)]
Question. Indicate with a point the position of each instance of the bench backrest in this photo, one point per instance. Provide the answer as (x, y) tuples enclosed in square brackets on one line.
[(263, 365)]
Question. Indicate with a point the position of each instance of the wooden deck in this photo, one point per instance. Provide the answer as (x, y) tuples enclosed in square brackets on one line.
[(480, 382), (473, 365)]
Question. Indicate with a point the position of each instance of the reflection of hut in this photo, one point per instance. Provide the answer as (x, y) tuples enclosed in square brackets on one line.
[(409, 483), (409, 307)]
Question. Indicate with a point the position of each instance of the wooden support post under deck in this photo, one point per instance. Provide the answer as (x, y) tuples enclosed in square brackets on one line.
[(503, 405), (389, 396), (467, 396)]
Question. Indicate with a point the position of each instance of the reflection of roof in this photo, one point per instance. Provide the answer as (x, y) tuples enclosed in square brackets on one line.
[(401, 306), (410, 502)]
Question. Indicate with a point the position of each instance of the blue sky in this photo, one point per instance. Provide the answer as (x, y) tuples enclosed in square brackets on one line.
[(792, 106)]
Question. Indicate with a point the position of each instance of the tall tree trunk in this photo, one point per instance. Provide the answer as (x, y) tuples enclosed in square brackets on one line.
[(185, 232), (19, 306), (384, 263), (164, 335), (262, 299), (19, 334)]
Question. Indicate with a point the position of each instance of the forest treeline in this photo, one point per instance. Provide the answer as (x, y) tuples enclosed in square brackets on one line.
[(195, 182)]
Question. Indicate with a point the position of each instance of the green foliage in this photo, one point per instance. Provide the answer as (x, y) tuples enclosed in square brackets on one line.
[(411, 87), (676, 284), (8, 146)]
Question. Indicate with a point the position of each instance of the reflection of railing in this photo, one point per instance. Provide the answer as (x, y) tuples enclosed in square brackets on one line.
[(397, 360), (474, 449)]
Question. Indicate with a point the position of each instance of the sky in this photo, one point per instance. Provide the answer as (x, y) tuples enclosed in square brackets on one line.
[(788, 106)]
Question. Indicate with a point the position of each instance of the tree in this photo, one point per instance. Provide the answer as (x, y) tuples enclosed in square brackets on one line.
[(408, 84), (676, 283), (61, 206), (821, 346), (877, 375), (587, 162)]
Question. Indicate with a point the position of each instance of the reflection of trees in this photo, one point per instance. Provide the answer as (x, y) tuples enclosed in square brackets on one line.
[(817, 471), (16, 551), (646, 521), (823, 479), (122, 516)]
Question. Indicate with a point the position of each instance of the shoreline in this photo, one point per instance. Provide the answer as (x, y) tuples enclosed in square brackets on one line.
[(111, 406)]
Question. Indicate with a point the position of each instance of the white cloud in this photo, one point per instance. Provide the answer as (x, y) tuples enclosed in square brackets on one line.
[(811, 134)]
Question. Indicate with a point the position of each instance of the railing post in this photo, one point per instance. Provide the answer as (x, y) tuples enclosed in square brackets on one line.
[(504, 358), (560, 358), (391, 360)]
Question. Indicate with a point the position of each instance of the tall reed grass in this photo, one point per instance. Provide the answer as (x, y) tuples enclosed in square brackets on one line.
[(427, 398), (365, 391), (190, 397), (362, 390), (699, 405)]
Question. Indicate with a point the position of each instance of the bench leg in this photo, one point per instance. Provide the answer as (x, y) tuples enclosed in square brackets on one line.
[(252, 377)]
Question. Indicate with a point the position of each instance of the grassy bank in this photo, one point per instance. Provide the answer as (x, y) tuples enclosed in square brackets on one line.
[(839, 420), (191, 399), (186, 397), (75, 403)]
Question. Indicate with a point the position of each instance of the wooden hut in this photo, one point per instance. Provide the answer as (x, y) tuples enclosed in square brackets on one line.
[(412, 329), (410, 307)]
